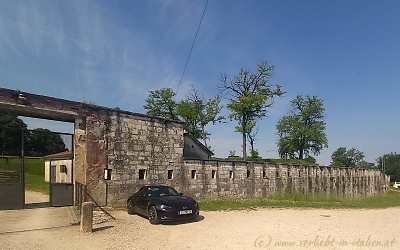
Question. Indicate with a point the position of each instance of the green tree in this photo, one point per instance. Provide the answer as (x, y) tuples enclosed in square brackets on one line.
[(205, 111), (254, 155), (390, 164), (188, 114), (232, 153), (250, 96), (11, 134), (303, 131), (196, 111), (346, 158), (43, 142), (251, 133), (162, 103)]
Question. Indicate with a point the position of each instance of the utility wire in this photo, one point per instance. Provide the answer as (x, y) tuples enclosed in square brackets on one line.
[(190, 52)]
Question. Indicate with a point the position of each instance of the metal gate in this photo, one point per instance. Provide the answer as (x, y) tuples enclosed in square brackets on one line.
[(35, 159), (12, 194)]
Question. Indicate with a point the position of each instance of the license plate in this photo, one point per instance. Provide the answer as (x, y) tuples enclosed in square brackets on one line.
[(185, 212)]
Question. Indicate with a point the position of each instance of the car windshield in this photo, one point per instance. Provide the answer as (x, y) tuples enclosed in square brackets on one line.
[(162, 191)]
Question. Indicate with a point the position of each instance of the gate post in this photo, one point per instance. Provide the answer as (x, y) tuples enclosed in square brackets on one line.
[(87, 217)]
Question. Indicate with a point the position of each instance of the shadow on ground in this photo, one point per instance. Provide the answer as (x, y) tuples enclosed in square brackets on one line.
[(101, 228), (178, 222), (37, 205)]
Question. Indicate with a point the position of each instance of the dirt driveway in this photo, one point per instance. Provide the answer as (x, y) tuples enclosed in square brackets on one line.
[(261, 229), (37, 215)]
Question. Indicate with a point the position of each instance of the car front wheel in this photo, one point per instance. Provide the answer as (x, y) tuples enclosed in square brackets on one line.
[(153, 216), (129, 207)]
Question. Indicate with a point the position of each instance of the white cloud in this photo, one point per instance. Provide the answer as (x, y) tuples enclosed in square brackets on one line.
[(40, 25)]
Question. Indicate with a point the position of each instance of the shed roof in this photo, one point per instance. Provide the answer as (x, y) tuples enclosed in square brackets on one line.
[(62, 155), (201, 145)]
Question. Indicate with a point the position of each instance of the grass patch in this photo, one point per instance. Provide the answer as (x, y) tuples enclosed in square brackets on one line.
[(391, 199), (10, 163), (34, 175), (36, 183)]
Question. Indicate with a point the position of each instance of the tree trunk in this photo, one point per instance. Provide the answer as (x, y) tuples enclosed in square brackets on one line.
[(204, 136), (244, 139)]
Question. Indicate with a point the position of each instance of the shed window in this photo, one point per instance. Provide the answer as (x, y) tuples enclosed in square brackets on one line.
[(264, 174), (230, 174), (248, 173), (63, 169)]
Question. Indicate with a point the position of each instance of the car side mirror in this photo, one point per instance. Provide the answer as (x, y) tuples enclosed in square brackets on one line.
[(180, 194), (140, 195)]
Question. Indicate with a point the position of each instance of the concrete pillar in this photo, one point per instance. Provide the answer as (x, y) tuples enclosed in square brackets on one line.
[(87, 217)]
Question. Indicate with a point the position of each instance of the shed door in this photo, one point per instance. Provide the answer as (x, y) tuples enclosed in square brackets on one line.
[(53, 178), (61, 185)]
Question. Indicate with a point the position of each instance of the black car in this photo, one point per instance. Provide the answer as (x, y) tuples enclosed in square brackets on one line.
[(162, 203)]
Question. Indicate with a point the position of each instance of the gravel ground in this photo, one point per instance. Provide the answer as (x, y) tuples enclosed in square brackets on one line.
[(255, 229)]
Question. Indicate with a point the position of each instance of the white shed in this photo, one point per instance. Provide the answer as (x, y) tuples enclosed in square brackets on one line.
[(61, 167)]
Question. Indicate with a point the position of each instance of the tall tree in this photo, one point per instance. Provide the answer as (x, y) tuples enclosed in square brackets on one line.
[(162, 103), (188, 114), (196, 111), (346, 158), (206, 111), (250, 96), (43, 142), (303, 131), (390, 164), (252, 135), (10, 134)]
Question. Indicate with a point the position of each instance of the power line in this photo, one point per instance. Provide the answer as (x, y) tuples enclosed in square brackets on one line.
[(190, 52)]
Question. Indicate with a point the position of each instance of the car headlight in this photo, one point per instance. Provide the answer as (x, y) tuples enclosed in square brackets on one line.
[(165, 207)]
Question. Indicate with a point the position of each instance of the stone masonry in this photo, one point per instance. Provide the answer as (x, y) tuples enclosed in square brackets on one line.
[(142, 151), (222, 179)]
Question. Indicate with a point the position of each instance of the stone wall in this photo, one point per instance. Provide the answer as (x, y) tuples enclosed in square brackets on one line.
[(214, 179), (142, 150), (221, 179)]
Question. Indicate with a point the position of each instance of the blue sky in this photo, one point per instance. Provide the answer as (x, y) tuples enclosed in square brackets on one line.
[(112, 53)]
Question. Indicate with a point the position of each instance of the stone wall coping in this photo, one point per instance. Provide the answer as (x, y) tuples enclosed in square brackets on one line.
[(273, 163)]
